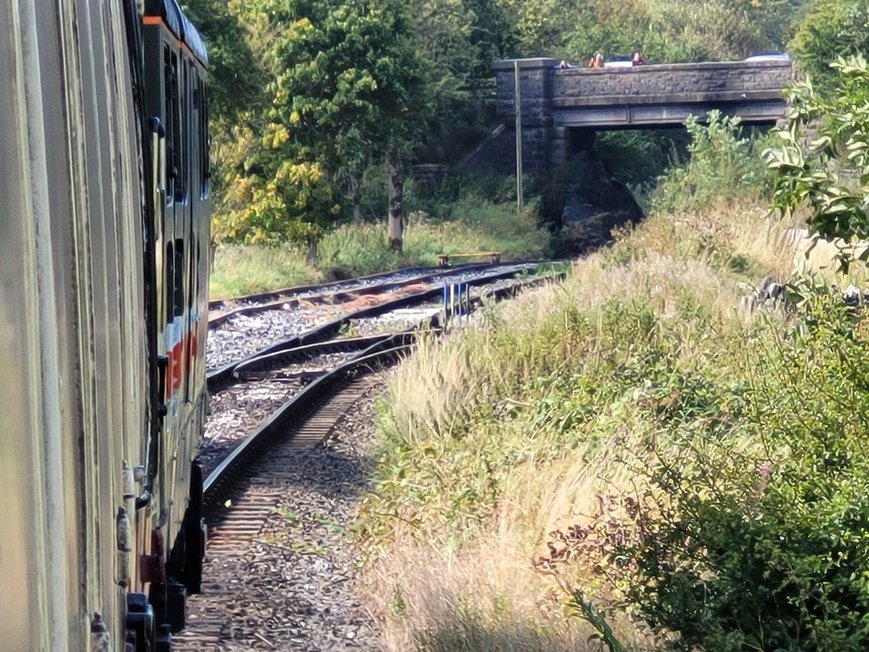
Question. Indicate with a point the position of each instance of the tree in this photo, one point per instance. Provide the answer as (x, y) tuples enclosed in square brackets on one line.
[(235, 78), (829, 174), (832, 29), (459, 40), (405, 110), (349, 83)]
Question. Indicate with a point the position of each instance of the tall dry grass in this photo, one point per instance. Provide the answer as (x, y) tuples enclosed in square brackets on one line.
[(517, 428)]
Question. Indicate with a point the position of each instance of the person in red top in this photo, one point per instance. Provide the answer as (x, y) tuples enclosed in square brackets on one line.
[(638, 59)]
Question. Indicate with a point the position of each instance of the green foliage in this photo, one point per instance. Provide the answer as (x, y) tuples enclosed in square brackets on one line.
[(778, 19), (460, 39), (830, 30), (754, 531), (347, 82), (309, 93), (588, 613), (829, 174), (231, 93), (664, 30), (470, 188), (349, 74), (674, 30), (637, 157), (357, 250), (741, 447), (621, 29), (267, 197), (721, 164), (361, 248), (245, 269)]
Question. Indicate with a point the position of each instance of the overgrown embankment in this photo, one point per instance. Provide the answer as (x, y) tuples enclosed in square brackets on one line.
[(641, 454), (630, 428)]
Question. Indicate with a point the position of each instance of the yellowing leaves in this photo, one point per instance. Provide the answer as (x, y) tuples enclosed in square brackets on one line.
[(300, 28), (274, 135), (301, 174)]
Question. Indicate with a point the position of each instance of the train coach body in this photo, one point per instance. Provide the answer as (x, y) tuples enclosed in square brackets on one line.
[(103, 290)]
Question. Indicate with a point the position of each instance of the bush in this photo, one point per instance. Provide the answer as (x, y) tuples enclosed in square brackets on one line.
[(829, 175), (830, 30), (721, 164), (754, 526)]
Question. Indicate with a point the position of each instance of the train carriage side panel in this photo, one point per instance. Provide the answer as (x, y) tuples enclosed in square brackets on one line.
[(26, 291), (162, 54), (72, 338), (112, 371), (71, 346), (108, 291), (173, 71)]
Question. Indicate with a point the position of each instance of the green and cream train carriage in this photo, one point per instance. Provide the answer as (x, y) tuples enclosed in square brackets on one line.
[(103, 289)]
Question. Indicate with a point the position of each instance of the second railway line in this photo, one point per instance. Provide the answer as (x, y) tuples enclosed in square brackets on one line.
[(280, 419)]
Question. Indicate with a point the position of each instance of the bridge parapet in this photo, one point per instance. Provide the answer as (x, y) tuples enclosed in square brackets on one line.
[(553, 99), (670, 83)]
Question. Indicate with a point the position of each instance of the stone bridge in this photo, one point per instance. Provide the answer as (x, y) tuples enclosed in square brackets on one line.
[(557, 104)]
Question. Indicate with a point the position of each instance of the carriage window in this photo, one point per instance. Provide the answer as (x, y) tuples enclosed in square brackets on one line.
[(173, 135), (170, 276), (183, 133), (178, 302), (192, 301), (202, 106)]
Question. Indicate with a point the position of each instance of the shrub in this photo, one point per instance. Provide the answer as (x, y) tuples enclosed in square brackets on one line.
[(753, 531), (721, 164), (829, 175), (830, 30)]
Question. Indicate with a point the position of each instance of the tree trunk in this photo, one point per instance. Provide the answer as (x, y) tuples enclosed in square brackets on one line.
[(352, 195), (395, 215), (312, 251)]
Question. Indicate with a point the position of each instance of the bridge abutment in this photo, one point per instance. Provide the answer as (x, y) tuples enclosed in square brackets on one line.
[(535, 105)]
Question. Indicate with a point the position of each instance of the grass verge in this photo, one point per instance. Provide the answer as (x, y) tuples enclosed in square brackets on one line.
[(515, 453), (360, 249)]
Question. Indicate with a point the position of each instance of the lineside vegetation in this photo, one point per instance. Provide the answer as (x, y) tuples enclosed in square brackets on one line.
[(320, 103), (645, 457)]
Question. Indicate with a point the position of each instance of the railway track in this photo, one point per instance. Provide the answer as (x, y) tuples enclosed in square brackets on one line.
[(273, 387), (241, 530), (278, 505), (333, 294), (274, 325), (250, 551), (236, 521)]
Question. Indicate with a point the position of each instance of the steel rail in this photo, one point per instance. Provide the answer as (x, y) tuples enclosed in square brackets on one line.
[(342, 289), (382, 350), (224, 376), (221, 481)]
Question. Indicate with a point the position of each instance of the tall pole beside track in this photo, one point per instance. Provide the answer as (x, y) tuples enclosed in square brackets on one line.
[(517, 100)]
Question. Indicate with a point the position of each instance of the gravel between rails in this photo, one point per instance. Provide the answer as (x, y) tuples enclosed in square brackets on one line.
[(294, 589)]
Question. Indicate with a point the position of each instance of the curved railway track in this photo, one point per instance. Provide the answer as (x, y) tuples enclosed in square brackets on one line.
[(248, 542), (385, 298), (248, 509)]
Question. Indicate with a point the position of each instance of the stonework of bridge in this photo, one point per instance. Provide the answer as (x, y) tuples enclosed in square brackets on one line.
[(556, 102)]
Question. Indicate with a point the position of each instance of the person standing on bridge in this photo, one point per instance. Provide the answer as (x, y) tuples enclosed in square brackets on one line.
[(596, 61), (638, 59)]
